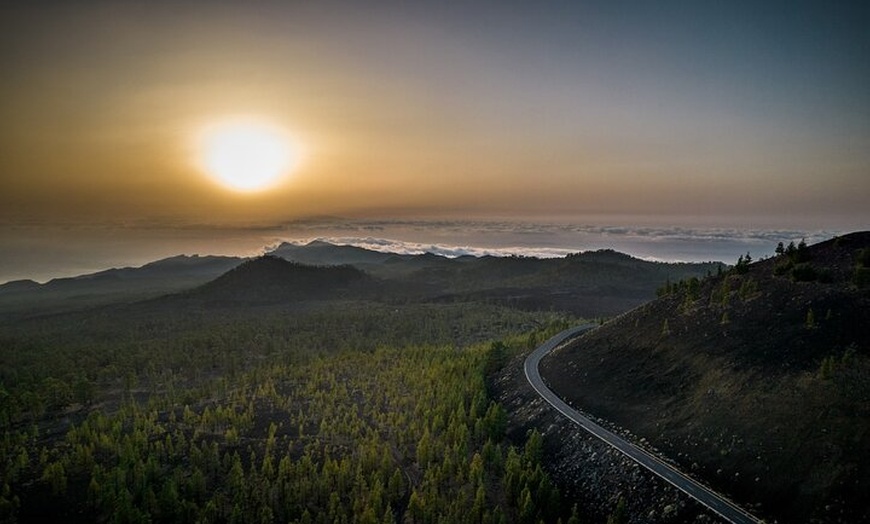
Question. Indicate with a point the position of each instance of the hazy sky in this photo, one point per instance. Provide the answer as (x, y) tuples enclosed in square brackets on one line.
[(738, 112)]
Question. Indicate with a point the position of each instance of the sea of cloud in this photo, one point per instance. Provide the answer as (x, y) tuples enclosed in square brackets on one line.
[(386, 245), (41, 253), (453, 238)]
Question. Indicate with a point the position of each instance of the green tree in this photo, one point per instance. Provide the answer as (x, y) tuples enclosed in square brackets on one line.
[(534, 448), (575, 516), (810, 322), (620, 513), (743, 263), (416, 507), (55, 475)]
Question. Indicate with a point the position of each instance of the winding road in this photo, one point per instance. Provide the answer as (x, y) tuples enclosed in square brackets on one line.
[(707, 497)]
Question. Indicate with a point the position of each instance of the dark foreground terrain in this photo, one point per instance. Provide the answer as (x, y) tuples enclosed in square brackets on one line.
[(756, 380)]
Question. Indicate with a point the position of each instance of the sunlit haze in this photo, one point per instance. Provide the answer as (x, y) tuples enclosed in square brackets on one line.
[(246, 156), (119, 143)]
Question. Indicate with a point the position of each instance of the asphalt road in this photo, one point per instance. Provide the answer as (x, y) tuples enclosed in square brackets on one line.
[(716, 502)]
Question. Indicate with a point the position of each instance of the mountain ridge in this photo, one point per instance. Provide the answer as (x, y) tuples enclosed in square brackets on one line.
[(592, 283)]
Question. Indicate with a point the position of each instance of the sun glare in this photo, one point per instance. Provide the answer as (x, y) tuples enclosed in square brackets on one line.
[(246, 156)]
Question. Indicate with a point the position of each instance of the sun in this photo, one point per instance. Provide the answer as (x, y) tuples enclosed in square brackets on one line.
[(246, 156)]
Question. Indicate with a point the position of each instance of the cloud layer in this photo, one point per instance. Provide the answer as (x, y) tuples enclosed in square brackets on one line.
[(400, 247), (42, 252), (454, 238)]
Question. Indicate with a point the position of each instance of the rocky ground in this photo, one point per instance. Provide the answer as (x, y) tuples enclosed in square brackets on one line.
[(588, 471)]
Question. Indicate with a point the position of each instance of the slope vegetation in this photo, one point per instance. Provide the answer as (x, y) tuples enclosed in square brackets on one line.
[(757, 380), (596, 283)]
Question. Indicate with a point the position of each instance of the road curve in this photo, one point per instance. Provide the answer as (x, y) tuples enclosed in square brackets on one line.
[(716, 502)]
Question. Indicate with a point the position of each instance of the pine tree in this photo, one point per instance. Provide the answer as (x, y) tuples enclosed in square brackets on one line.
[(811, 320), (534, 448), (620, 514), (575, 516)]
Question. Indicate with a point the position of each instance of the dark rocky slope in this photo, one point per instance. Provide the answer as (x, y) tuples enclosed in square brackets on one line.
[(588, 472), (756, 380)]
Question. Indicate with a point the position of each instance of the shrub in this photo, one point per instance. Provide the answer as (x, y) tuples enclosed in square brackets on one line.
[(783, 267), (861, 276), (804, 272), (748, 289), (810, 322)]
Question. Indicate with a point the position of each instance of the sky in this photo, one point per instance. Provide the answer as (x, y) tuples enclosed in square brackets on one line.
[(731, 115)]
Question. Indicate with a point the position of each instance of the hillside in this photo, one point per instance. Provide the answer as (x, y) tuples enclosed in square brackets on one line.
[(595, 283), (272, 279), (757, 380)]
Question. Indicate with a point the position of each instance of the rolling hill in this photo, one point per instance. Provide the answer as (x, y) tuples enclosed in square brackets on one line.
[(591, 284), (272, 279)]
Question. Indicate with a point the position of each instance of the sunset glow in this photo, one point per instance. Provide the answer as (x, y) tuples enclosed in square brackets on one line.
[(246, 156), (236, 118)]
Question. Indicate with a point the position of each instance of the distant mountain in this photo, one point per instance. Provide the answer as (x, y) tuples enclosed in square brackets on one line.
[(269, 279), (170, 270), (18, 286), (126, 284), (320, 253), (590, 284), (384, 265), (758, 379)]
